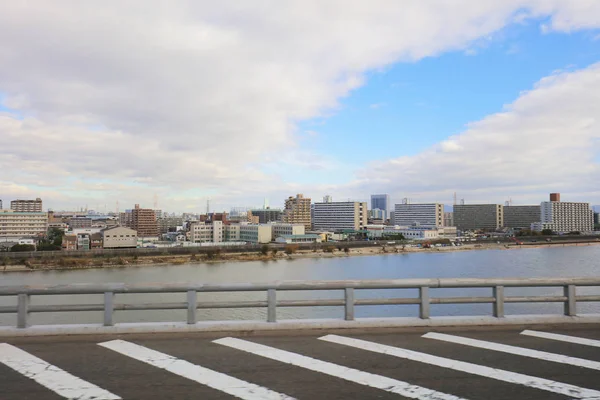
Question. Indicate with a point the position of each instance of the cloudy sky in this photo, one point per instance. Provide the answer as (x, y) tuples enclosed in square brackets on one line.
[(239, 101)]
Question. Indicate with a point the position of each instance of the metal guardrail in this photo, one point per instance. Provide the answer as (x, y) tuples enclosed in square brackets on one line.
[(347, 287)]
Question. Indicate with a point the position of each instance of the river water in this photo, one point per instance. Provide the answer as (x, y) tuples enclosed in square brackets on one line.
[(573, 261)]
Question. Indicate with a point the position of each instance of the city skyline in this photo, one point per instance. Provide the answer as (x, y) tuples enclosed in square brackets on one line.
[(491, 100)]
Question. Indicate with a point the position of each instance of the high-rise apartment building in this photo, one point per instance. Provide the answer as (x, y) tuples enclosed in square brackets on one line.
[(382, 202), (143, 221), (521, 216), (297, 211), (425, 214), (26, 205), (15, 224), (564, 217), (487, 217), (336, 216)]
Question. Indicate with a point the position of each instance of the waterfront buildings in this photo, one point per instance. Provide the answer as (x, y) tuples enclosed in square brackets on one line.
[(297, 211), (487, 217), (278, 230), (119, 237), (253, 233), (143, 221), (448, 218), (26, 205), (381, 202), (565, 217), (424, 214), (17, 224), (336, 216), (203, 232), (521, 217)]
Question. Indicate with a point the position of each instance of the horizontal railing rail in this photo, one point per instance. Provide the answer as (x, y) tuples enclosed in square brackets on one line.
[(424, 300)]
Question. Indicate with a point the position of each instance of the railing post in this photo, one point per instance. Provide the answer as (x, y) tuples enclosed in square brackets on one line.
[(109, 307), (424, 306), (192, 305), (349, 305), (499, 301), (22, 310), (570, 304), (271, 305)]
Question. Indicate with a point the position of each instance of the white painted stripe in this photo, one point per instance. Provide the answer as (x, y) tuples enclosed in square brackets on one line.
[(563, 338), (353, 375), (475, 369), (50, 376), (520, 351), (216, 380)]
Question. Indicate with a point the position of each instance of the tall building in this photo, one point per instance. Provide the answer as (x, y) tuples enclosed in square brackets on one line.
[(487, 217), (425, 214), (382, 202), (337, 216), (521, 216), (143, 221), (564, 217), (16, 224), (26, 205), (297, 211), (267, 215), (448, 218)]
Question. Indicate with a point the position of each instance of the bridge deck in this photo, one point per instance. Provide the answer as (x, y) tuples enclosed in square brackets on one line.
[(483, 364)]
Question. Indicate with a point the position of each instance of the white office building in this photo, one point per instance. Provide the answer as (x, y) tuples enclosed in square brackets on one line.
[(565, 217), (336, 216), (278, 230), (424, 214), (201, 232)]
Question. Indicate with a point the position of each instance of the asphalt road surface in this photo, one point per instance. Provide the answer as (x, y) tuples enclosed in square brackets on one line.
[(508, 364)]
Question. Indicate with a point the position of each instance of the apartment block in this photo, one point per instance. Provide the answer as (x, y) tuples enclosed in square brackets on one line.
[(521, 216), (202, 232), (26, 205), (15, 224), (297, 211), (564, 217), (168, 224), (487, 217), (278, 230), (337, 216), (143, 221), (423, 214)]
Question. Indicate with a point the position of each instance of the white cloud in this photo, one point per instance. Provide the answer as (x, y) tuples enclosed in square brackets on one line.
[(547, 140), (190, 97)]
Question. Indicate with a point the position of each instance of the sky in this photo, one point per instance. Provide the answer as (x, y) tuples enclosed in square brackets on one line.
[(245, 102)]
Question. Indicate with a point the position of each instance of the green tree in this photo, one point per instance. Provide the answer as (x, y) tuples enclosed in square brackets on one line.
[(22, 247), (547, 232), (264, 249)]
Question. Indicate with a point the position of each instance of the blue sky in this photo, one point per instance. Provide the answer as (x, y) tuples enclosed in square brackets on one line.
[(408, 107)]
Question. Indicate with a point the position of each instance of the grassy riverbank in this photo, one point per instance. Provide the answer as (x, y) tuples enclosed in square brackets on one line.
[(67, 263)]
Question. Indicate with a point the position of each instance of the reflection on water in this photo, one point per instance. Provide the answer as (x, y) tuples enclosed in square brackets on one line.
[(541, 262)]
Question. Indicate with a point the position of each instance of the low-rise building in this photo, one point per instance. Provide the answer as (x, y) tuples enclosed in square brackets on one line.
[(80, 222), (119, 237), (254, 233), (278, 230), (297, 239), (16, 224), (203, 232)]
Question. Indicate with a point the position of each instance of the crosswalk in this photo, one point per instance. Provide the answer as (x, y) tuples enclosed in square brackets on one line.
[(225, 376)]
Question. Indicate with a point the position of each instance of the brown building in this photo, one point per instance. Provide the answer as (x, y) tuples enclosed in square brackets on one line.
[(143, 220), (297, 211), (26, 205), (554, 196)]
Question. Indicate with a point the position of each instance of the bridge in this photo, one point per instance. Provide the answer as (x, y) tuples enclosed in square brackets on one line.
[(496, 356)]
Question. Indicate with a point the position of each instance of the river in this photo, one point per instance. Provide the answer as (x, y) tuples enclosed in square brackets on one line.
[(580, 261)]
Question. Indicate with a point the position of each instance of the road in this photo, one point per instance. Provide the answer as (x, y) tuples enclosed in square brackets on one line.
[(444, 365)]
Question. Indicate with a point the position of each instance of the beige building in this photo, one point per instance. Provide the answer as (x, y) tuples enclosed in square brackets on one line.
[(143, 221), (26, 205), (564, 216), (297, 211), (278, 230), (336, 216), (253, 233), (14, 224), (203, 232), (119, 237)]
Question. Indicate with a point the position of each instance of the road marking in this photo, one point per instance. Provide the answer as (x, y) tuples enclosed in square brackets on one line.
[(475, 369), (563, 338), (520, 351), (353, 375), (50, 376), (216, 380)]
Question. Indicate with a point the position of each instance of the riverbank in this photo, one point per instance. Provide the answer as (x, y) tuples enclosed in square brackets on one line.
[(145, 261)]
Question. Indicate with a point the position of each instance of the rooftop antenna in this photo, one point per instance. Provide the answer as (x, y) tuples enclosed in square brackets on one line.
[(462, 202), (454, 198), (207, 206), (155, 201)]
